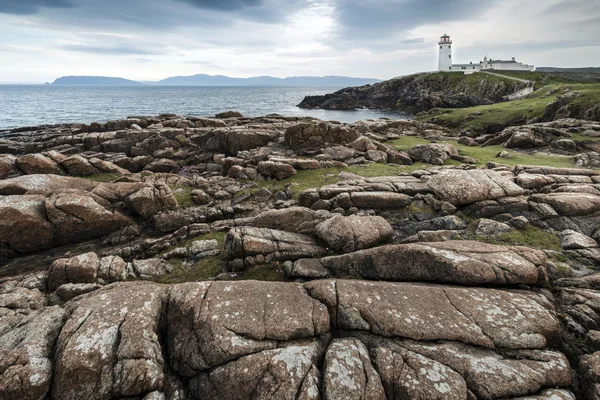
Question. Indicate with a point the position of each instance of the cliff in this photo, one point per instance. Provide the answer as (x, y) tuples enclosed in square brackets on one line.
[(420, 92)]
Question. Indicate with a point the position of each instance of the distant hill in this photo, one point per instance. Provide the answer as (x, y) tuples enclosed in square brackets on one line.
[(94, 80), (221, 80), (555, 69)]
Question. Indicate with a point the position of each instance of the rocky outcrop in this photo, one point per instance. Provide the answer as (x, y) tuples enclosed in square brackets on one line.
[(419, 92), (64, 215), (383, 286)]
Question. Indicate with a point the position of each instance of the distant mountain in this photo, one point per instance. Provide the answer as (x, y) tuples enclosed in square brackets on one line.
[(94, 80), (221, 80), (555, 69)]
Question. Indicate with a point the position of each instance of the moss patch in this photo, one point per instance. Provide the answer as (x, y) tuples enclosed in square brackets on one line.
[(265, 272), (183, 194), (204, 269), (532, 237), (484, 155), (105, 177)]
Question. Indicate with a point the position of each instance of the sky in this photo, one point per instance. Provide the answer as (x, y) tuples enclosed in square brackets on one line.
[(41, 40)]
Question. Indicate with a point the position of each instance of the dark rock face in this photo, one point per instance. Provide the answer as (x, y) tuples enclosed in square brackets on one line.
[(415, 93)]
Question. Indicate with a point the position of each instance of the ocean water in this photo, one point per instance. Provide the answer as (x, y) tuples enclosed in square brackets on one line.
[(31, 105)]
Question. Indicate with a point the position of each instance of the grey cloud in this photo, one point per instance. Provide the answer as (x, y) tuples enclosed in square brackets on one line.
[(26, 7), (374, 19), (224, 5), (107, 50)]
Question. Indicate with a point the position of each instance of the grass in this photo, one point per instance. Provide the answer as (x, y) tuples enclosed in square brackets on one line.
[(487, 154), (104, 177), (204, 269), (265, 272), (532, 237), (183, 194)]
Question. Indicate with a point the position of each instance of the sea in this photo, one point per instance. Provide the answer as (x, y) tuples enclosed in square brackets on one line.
[(32, 105)]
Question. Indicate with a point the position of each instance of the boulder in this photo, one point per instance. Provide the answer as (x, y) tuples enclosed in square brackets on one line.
[(589, 370), (8, 166), (78, 166), (371, 200), (109, 345), (456, 261), (77, 216), (79, 269), (319, 134), (346, 234), (570, 239), (569, 204), (23, 223), (38, 164), (434, 153), (150, 200), (43, 184), (229, 114), (489, 227), (271, 244), (461, 187), (277, 170), (292, 219)]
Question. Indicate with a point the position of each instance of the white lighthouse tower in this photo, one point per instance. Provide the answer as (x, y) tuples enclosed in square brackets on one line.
[(445, 60)]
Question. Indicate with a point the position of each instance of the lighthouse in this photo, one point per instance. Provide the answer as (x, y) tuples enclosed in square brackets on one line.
[(445, 60)]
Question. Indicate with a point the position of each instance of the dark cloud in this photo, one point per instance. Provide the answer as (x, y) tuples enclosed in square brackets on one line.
[(26, 7), (374, 19), (224, 5), (107, 50)]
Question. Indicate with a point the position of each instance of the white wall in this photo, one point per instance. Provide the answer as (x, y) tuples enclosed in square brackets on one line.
[(445, 57)]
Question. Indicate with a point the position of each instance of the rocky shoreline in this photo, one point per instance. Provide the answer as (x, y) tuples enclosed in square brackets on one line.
[(176, 257)]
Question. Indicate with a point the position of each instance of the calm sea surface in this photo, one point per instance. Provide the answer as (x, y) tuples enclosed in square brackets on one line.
[(30, 105)]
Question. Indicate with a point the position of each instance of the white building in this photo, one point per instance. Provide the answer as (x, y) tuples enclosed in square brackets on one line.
[(445, 61)]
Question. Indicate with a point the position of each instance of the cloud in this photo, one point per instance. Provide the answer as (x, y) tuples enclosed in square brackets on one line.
[(224, 5), (27, 7), (380, 19), (107, 50)]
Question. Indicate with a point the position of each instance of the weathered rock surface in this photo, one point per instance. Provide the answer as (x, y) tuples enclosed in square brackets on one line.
[(109, 345), (463, 262), (461, 187), (26, 355), (353, 233), (269, 245), (424, 312), (214, 323)]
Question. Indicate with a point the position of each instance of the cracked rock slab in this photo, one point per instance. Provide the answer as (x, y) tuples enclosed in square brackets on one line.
[(213, 323), (26, 354), (109, 345), (483, 317), (349, 374), (283, 373)]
